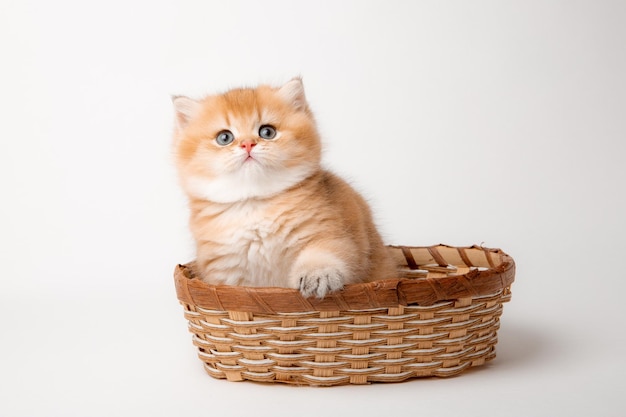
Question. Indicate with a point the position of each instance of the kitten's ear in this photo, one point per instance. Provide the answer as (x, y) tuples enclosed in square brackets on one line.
[(185, 109), (293, 93)]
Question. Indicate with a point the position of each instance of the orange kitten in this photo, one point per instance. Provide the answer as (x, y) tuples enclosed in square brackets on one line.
[(263, 211)]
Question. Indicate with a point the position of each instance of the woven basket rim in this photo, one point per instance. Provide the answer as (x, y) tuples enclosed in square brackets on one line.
[(392, 292)]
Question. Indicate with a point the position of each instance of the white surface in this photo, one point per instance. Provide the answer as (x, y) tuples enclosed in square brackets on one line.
[(463, 122)]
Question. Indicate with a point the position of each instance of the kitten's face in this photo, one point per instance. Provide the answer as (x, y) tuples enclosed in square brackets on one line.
[(245, 143)]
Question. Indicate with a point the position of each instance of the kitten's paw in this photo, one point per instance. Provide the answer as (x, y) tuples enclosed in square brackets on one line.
[(321, 281)]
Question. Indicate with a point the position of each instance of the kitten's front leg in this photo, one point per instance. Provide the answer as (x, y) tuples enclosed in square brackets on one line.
[(317, 272)]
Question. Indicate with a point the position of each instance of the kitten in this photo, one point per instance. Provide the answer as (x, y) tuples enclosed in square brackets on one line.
[(263, 211)]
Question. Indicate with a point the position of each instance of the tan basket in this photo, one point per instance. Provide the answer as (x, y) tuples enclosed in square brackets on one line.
[(439, 319)]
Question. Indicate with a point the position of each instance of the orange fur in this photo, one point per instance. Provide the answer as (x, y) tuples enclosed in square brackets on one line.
[(263, 212)]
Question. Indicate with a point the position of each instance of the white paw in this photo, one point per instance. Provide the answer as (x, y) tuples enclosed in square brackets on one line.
[(320, 281)]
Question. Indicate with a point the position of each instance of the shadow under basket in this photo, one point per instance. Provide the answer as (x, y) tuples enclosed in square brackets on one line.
[(438, 318)]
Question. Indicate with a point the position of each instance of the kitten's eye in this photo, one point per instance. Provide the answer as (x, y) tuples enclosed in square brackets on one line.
[(225, 137), (267, 132)]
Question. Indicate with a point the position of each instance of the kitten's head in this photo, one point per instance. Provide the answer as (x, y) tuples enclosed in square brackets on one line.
[(245, 143)]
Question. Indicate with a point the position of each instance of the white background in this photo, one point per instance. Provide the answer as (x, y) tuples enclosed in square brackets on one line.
[(491, 122)]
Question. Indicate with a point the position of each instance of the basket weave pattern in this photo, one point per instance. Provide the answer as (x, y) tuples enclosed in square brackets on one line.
[(439, 319)]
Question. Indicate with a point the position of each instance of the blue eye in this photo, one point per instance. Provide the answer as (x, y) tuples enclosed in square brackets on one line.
[(225, 137), (267, 132)]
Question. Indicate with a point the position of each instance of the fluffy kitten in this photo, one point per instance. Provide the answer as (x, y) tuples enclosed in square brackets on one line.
[(263, 211)]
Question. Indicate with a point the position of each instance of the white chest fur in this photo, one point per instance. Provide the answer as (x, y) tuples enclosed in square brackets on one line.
[(250, 245)]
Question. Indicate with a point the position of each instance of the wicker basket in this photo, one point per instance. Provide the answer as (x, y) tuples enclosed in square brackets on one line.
[(438, 319)]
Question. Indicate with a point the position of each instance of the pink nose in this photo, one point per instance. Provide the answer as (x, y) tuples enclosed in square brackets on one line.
[(248, 146)]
